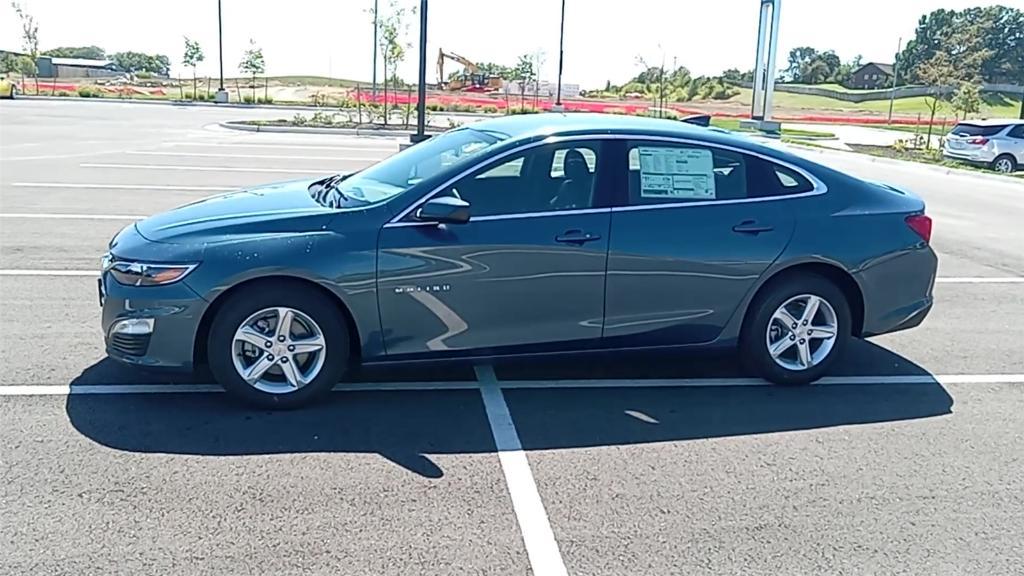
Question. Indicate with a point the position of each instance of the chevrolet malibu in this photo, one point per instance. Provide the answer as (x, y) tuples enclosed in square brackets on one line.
[(521, 236)]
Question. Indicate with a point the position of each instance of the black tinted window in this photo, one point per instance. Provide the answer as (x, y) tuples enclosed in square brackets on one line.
[(1017, 132), (975, 130), (542, 179)]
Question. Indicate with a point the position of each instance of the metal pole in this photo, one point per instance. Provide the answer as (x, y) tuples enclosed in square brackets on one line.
[(374, 50), (220, 45), (895, 73), (561, 57), (1022, 104), (421, 95)]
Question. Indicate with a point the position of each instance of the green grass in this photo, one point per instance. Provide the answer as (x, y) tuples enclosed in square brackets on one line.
[(994, 105), (930, 156), (734, 124)]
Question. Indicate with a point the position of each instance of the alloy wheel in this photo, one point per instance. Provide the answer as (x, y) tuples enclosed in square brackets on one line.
[(1004, 165), (802, 332), (278, 350)]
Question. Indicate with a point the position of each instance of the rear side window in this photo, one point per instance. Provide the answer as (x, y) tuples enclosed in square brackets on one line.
[(963, 129), (661, 173), (1017, 132)]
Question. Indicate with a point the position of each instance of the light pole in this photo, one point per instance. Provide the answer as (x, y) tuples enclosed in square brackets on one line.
[(1022, 104), (222, 94), (895, 74), (561, 58), (374, 50), (421, 92)]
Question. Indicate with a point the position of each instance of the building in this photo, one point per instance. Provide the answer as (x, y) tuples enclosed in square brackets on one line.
[(51, 67), (872, 75)]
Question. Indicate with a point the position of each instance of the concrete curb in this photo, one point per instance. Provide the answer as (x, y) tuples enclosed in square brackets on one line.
[(380, 133), (944, 170)]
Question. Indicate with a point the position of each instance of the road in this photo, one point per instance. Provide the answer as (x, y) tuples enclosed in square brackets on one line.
[(910, 461)]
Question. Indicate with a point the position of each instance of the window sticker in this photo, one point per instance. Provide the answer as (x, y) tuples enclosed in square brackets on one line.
[(683, 173)]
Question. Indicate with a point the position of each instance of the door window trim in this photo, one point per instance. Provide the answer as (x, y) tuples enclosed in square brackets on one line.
[(819, 186)]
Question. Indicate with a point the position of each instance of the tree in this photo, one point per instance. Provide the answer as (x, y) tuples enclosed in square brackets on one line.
[(25, 66), (524, 74), (938, 74), (88, 52), (392, 30), (967, 99), (193, 56), (252, 64), (134, 62), (989, 40), (29, 37)]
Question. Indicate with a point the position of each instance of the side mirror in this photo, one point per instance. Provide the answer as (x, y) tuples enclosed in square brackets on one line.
[(444, 210)]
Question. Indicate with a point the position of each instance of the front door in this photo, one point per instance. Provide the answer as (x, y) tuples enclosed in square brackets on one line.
[(527, 270)]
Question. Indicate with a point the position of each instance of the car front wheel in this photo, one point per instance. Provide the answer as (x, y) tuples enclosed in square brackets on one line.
[(796, 329), (280, 346)]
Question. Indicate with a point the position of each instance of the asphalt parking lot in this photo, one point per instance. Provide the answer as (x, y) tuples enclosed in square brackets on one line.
[(909, 461)]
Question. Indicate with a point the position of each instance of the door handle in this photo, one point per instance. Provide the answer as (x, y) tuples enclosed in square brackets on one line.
[(577, 237), (751, 227)]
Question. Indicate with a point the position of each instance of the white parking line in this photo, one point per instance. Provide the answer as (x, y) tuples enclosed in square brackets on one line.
[(72, 216), (121, 186), (980, 280), (262, 156), (912, 380), (208, 168), (393, 148), (16, 272), (541, 546)]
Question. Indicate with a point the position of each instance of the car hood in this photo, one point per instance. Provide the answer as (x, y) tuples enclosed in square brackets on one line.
[(277, 208)]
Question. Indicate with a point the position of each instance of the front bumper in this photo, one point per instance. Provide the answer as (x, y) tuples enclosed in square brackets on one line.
[(173, 313)]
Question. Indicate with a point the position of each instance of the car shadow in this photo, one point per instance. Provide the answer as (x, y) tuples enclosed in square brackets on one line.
[(408, 427)]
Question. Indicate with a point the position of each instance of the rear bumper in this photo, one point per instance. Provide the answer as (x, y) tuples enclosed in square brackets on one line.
[(898, 291), (972, 156)]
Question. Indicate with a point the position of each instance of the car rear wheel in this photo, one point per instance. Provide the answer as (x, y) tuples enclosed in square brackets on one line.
[(1006, 164), (796, 329), (279, 346)]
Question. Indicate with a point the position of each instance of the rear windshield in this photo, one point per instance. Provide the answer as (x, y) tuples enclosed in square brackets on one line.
[(975, 130)]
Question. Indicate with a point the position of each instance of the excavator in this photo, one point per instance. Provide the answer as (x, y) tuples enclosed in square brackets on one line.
[(471, 80)]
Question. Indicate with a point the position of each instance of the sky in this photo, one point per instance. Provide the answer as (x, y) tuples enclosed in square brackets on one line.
[(603, 38)]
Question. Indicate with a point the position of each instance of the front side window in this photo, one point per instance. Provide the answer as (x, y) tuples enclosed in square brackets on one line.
[(542, 179), (668, 173)]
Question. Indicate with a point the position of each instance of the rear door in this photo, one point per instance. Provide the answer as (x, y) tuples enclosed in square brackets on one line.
[(526, 271), (697, 227)]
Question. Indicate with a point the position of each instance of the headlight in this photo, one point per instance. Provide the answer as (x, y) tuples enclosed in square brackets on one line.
[(146, 273)]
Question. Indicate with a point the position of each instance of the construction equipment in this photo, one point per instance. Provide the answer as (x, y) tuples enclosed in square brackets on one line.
[(472, 79)]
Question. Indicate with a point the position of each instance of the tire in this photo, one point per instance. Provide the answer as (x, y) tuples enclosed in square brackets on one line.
[(1005, 164), (792, 290), (273, 390)]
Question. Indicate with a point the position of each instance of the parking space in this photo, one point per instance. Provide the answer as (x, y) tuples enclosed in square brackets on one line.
[(906, 461)]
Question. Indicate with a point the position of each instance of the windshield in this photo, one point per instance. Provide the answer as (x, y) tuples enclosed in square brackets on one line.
[(402, 171)]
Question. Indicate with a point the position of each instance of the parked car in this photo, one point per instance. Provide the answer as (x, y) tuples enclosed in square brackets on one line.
[(522, 235), (8, 87), (998, 144)]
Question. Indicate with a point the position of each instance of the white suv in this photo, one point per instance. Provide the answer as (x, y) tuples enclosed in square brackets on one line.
[(995, 143)]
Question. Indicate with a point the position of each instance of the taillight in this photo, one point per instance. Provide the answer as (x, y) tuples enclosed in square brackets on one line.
[(921, 225), (978, 141)]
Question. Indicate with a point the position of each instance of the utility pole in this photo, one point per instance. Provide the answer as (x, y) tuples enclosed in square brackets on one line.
[(222, 94), (895, 73), (375, 6), (421, 93), (561, 57)]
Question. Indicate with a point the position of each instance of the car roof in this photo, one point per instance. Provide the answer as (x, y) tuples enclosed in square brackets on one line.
[(993, 122), (527, 126)]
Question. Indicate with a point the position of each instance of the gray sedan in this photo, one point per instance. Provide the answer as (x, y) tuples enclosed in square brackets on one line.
[(523, 235)]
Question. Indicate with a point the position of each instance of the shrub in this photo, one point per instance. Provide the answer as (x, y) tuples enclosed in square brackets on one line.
[(88, 92), (143, 75), (490, 109), (63, 93), (436, 107), (326, 118), (524, 111), (267, 100), (299, 119)]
